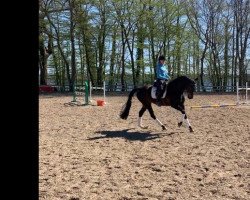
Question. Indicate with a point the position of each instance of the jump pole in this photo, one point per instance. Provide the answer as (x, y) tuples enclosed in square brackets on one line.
[(227, 105), (214, 105)]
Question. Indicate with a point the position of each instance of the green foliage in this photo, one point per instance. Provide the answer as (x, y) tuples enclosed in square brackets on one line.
[(174, 28)]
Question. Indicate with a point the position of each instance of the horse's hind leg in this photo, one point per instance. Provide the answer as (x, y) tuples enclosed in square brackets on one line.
[(141, 112), (150, 109)]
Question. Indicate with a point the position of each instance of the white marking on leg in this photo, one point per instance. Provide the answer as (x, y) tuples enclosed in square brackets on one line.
[(182, 117), (140, 122), (163, 127), (159, 122), (188, 122)]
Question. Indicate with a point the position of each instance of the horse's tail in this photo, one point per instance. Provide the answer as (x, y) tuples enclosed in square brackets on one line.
[(125, 109)]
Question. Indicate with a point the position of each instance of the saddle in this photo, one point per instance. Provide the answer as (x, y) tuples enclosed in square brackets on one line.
[(154, 89)]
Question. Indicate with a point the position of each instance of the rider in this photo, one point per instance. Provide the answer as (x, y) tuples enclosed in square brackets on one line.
[(162, 76)]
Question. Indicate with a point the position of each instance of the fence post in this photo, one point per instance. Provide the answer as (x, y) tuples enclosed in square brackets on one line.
[(86, 93), (104, 94), (74, 93), (246, 92)]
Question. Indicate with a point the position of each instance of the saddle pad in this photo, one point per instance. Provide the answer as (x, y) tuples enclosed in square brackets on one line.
[(153, 93)]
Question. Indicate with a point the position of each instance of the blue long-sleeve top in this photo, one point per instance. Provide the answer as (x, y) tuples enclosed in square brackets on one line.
[(162, 72)]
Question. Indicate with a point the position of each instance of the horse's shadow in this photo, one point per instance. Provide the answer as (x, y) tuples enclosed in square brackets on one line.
[(129, 135)]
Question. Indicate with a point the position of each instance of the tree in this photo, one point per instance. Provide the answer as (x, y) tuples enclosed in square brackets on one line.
[(242, 31), (44, 50)]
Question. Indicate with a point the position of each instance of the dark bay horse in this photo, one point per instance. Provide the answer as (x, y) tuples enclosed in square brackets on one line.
[(174, 98)]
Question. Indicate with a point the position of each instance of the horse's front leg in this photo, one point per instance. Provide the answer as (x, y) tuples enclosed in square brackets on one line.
[(184, 117), (151, 112), (143, 109)]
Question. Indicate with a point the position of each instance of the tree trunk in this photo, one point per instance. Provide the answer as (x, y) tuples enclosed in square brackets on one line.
[(45, 52), (178, 48), (90, 63), (101, 49), (123, 62), (202, 68), (139, 59), (233, 80), (226, 60), (131, 52), (56, 64), (82, 69), (112, 60)]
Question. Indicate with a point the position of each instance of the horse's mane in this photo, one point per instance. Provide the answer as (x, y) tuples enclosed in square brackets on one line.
[(183, 79), (178, 83)]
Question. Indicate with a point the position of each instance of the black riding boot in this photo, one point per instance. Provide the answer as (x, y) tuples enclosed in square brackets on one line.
[(158, 98)]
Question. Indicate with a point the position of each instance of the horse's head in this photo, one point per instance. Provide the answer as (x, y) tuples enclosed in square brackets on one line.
[(182, 84), (190, 89), (188, 86)]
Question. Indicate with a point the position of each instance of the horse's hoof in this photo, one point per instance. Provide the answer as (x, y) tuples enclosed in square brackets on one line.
[(179, 124), (163, 128), (144, 127), (190, 129)]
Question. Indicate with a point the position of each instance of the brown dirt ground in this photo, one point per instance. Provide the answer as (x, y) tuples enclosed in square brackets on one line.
[(88, 152)]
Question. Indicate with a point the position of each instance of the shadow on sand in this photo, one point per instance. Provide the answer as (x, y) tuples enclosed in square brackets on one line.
[(129, 135)]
